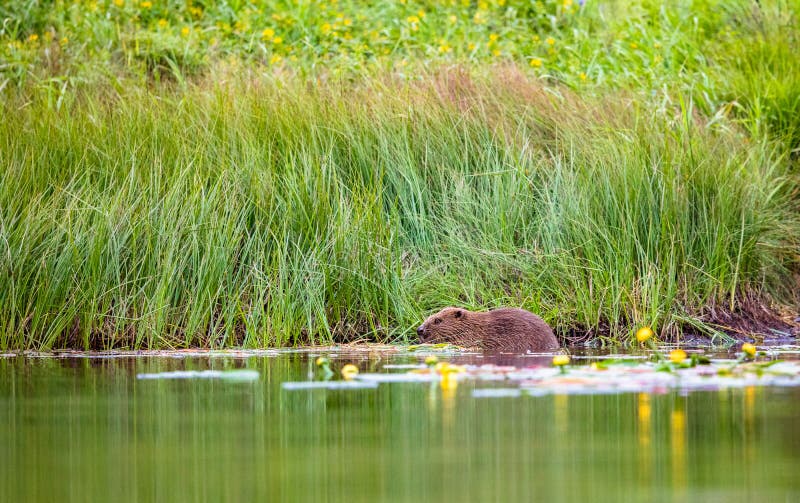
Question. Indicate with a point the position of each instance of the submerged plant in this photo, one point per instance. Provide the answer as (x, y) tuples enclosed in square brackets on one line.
[(324, 364), (431, 361)]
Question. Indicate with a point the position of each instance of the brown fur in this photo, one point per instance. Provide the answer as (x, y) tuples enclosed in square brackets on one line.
[(508, 330)]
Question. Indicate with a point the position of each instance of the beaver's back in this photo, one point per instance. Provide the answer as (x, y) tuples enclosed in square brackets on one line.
[(516, 330)]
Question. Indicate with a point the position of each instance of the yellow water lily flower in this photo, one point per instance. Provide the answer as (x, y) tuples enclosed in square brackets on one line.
[(644, 334), (749, 349), (560, 360), (677, 355), (349, 371)]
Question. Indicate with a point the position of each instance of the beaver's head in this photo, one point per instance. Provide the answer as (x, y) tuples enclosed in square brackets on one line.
[(451, 324)]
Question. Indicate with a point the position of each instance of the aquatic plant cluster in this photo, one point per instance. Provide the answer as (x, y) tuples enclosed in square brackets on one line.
[(183, 174), (593, 375)]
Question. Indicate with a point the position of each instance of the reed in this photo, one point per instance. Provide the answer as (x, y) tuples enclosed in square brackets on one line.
[(260, 211)]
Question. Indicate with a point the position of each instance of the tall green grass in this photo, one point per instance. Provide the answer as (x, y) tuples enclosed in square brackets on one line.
[(263, 211)]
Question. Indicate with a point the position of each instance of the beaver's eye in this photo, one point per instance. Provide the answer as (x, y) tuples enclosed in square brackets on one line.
[(437, 321)]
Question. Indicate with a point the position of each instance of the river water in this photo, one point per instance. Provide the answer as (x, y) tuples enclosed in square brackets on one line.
[(80, 429)]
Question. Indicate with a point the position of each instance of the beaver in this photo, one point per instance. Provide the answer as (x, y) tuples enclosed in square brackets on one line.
[(508, 330)]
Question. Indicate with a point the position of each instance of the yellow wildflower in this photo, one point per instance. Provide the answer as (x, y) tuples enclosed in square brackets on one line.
[(749, 349), (146, 4), (567, 3), (348, 22), (582, 76), (33, 37), (634, 45), (471, 47), (444, 47), (493, 37), (412, 19), (185, 31), (162, 23), (643, 334), (64, 41), (496, 52), (268, 33), (277, 40), (325, 28), (453, 19), (119, 3), (421, 13), (196, 11), (550, 41), (536, 62), (275, 59), (677, 355)]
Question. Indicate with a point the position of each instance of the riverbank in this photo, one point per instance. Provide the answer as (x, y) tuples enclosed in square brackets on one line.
[(246, 204)]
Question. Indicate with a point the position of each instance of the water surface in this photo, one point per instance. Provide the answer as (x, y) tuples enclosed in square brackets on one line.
[(85, 429)]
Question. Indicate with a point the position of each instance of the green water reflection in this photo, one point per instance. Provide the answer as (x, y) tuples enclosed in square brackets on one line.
[(87, 430)]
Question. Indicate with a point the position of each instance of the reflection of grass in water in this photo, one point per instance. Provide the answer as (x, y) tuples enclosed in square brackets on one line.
[(274, 214)]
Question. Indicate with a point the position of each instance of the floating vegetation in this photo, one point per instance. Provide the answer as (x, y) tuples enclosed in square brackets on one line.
[(228, 375), (680, 370)]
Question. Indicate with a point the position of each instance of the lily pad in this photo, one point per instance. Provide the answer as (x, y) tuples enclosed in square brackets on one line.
[(230, 375)]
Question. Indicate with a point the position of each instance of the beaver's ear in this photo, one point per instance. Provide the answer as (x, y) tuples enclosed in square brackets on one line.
[(458, 313)]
